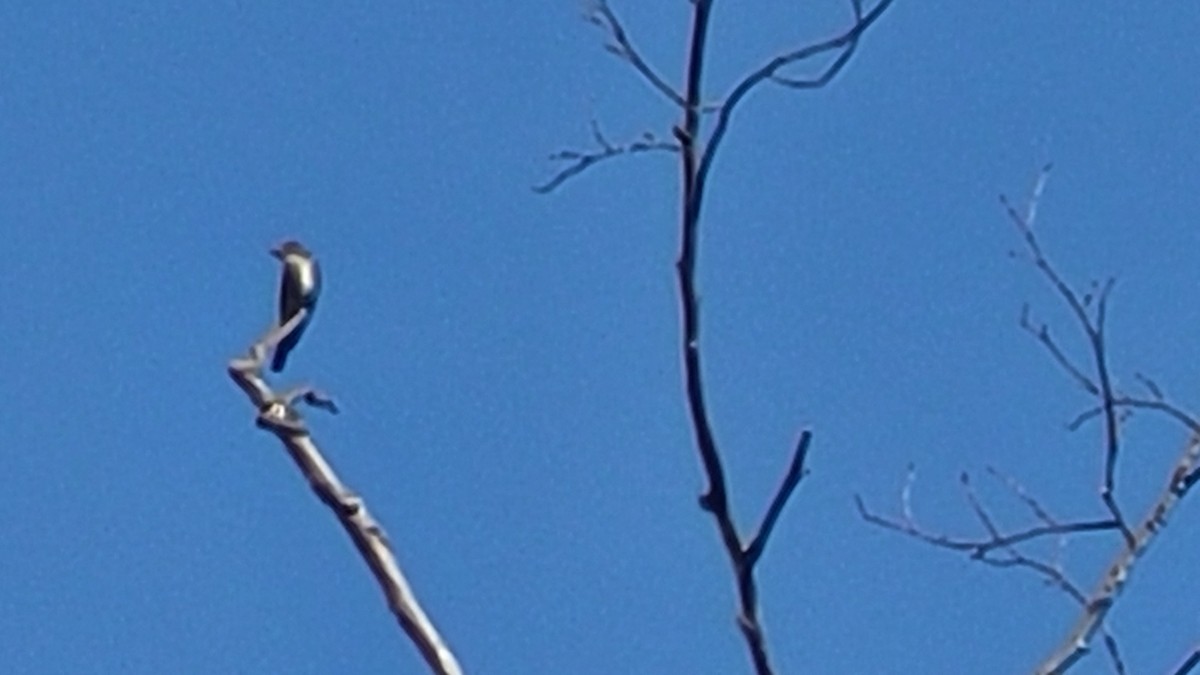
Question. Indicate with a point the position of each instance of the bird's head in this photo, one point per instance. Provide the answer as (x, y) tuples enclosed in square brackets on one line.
[(289, 247)]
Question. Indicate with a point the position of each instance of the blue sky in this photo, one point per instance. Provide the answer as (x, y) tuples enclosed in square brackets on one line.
[(507, 362)]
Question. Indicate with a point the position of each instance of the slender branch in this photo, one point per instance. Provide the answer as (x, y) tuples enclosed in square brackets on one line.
[(998, 550), (1114, 654), (278, 414), (790, 480), (1054, 575), (1165, 407), (1021, 494), (834, 68), (715, 498), (979, 549), (1041, 333), (847, 40), (602, 15), (1094, 331), (579, 161)]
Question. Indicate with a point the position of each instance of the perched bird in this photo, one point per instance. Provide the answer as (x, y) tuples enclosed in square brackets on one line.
[(299, 286)]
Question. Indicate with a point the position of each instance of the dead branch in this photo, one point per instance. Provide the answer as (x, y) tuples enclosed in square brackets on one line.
[(696, 158), (1116, 576), (1090, 311), (696, 161), (1093, 328), (278, 414)]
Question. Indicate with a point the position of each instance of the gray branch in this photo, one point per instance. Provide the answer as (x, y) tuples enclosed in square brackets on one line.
[(278, 414)]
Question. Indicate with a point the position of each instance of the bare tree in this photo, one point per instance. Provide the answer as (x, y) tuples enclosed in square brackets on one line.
[(1091, 373), (278, 413), (697, 152)]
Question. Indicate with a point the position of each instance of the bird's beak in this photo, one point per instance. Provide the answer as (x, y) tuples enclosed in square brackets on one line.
[(276, 253)]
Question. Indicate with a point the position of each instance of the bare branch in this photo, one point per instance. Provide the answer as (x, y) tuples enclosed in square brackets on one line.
[(1150, 385), (600, 14), (979, 549), (1098, 604), (580, 161), (1101, 386), (1041, 333), (999, 549), (1090, 310), (1163, 406), (790, 480), (1110, 645), (277, 413), (1020, 493), (696, 157), (846, 41), (832, 70)]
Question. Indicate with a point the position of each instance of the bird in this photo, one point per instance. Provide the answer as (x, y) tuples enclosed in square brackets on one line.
[(299, 286)]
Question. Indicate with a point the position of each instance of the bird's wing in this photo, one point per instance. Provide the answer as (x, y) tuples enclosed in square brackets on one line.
[(290, 296)]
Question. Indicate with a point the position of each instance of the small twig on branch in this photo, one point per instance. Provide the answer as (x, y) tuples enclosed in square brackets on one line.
[(795, 472), (978, 549), (600, 14), (745, 560), (1021, 494), (277, 413), (998, 550), (579, 161), (1162, 406), (1150, 385), (1041, 333), (1110, 645)]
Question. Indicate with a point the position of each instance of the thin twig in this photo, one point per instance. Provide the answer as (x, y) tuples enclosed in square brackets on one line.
[(979, 549), (1163, 406), (1110, 645), (1094, 331), (790, 480), (1041, 333), (846, 40), (602, 15), (579, 161), (998, 550)]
